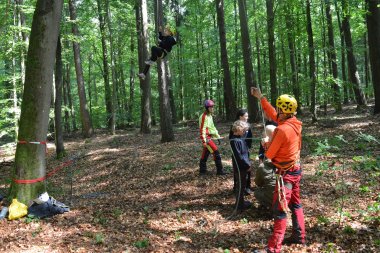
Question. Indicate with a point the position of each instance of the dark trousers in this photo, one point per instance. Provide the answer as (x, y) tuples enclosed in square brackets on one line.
[(236, 182), (157, 52), (240, 175), (205, 154)]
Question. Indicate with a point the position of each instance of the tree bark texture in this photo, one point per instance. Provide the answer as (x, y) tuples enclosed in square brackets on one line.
[(312, 73), (351, 59), (60, 149), (85, 115), (373, 27), (143, 52), (167, 133), (30, 160), (272, 52), (331, 54), (106, 76), (229, 101), (250, 80)]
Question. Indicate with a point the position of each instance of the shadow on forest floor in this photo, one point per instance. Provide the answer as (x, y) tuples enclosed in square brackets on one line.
[(132, 193)]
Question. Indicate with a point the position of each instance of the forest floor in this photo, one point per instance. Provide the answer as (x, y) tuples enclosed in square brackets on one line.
[(132, 193)]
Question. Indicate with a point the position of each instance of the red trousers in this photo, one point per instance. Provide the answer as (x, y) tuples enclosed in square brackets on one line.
[(291, 189)]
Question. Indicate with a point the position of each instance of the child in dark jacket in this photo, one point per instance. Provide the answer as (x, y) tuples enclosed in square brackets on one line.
[(240, 160), (167, 41), (242, 114)]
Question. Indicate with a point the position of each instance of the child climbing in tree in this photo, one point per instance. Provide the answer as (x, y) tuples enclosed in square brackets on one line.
[(166, 42)]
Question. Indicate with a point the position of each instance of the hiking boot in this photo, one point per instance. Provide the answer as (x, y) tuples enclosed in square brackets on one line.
[(142, 76), (291, 240), (246, 205), (149, 62), (203, 172), (221, 172)]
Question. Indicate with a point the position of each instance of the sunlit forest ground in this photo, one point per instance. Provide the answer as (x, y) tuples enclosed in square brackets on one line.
[(131, 193)]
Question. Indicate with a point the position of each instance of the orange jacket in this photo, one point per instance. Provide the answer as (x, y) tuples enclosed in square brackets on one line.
[(285, 147)]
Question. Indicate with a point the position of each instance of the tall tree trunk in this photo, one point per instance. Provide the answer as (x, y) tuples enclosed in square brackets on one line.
[(132, 78), (272, 52), (90, 83), (111, 121), (332, 58), (343, 56), (85, 116), (258, 52), (167, 133), (65, 101), (366, 64), (312, 73), (143, 51), (113, 67), (30, 160), (248, 69), (69, 97), (229, 101), (181, 88), (353, 71), (373, 28), (292, 58), (23, 35), (171, 96), (60, 149)]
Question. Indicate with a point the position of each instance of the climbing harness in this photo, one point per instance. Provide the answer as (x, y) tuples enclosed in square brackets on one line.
[(282, 193)]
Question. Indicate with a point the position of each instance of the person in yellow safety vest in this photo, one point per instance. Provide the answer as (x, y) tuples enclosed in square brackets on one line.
[(208, 132)]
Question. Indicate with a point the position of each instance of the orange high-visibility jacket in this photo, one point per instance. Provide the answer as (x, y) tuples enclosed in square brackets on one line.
[(286, 142)]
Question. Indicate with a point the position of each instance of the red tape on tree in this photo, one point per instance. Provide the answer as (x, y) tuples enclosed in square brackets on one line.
[(40, 179), (33, 142)]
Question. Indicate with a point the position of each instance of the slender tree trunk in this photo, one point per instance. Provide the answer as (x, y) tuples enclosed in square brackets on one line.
[(332, 58), (30, 160), (113, 67), (343, 56), (89, 84), (229, 101), (373, 28), (131, 79), (167, 133), (23, 35), (107, 87), (69, 96), (236, 56), (272, 52), (65, 102), (250, 80), (85, 116), (258, 51), (171, 96), (312, 74), (292, 58), (60, 149), (353, 71), (15, 83), (143, 51)]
